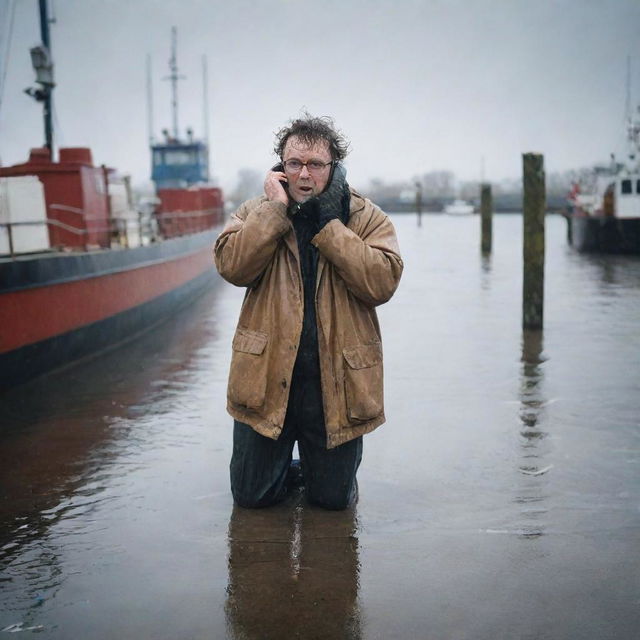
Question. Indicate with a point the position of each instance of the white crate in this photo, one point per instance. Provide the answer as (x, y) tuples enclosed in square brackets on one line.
[(22, 200)]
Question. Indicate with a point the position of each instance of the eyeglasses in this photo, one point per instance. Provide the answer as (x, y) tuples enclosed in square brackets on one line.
[(314, 167)]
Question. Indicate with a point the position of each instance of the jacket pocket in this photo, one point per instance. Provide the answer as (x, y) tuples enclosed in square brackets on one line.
[(363, 381), (248, 375)]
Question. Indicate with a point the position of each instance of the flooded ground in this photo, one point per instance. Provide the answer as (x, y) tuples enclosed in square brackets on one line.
[(501, 500)]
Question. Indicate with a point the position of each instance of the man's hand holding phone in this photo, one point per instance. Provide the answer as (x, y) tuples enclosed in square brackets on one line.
[(275, 185)]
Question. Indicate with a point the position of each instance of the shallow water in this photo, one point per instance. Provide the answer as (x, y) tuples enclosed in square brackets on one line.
[(500, 500)]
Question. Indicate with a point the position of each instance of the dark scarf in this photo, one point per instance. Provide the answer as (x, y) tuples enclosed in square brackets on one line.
[(308, 219), (332, 203)]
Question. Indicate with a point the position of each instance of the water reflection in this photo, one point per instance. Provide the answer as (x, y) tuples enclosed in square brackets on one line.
[(485, 266), (64, 428), (293, 573), (611, 271), (533, 466), (69, 440)]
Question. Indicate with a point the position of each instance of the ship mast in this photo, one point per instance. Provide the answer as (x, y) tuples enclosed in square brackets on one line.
[(177, 163), (174, 77), (633, 120), (205, 114), (205, 99), (149, 101), (627, 106), (43, 66)]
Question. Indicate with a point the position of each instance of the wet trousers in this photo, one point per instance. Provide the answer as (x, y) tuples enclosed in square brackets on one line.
[(260, 466)]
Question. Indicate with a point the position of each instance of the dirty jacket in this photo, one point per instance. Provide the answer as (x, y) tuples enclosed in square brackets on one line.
[(359, 267)]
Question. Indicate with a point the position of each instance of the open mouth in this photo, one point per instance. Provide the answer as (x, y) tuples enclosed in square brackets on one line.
[(305, 189)]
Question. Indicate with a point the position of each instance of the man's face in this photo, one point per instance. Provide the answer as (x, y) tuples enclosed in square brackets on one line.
[(304, 185)]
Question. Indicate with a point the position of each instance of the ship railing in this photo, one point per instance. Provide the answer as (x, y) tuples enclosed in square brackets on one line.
[(119, 230), (171, 223), (179, 223), (126, 232), (10, 226), (80, 212), (86, 216)]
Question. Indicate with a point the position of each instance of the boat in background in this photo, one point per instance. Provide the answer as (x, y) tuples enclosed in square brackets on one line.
[(604, 208), (81, 269), (458, 208)]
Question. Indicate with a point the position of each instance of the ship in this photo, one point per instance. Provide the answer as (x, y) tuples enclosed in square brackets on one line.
[(81, 268), (604, 206), (458, 208)]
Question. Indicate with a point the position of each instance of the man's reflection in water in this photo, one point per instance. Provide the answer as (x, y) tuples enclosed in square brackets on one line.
[(293, 573)]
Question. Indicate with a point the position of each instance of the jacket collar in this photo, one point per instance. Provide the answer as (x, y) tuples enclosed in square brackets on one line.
[(356, 204)]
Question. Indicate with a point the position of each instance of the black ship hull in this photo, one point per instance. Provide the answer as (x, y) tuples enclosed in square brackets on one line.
[(604, 234)]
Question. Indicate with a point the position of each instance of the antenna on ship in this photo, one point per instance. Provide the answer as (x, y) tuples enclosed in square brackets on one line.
[(205, 114), (150, 123), (174, 77), (43, 66), (627, 106), (633, 121)]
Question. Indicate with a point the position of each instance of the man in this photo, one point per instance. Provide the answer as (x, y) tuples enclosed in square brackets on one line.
[(316, 258)]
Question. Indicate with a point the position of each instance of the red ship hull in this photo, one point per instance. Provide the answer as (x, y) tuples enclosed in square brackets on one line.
[(57, 308)]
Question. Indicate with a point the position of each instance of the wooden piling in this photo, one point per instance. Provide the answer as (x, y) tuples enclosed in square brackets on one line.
[(419, 202), (567, 216), (533, 207), (486, 212)]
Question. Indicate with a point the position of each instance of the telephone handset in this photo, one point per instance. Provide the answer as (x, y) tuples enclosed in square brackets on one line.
[(284, 183)]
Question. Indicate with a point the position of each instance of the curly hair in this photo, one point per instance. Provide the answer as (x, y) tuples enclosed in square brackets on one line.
[(310, 130)]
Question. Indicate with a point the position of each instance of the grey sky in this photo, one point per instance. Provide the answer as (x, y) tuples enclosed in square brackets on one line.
[(416, 85)]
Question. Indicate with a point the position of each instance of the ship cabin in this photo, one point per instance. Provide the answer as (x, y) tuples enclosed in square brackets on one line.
[(177, 164), (628, 196), (186, 202)]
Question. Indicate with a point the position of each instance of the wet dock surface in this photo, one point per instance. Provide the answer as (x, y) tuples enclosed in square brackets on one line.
[(500, 500)]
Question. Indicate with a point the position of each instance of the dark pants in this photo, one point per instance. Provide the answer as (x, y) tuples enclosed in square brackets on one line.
[(260, 466)]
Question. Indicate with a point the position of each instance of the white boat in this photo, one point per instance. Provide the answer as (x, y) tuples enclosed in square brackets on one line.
[(459, 208), (604, 207)]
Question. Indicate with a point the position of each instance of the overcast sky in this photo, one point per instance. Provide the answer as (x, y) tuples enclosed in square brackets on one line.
[(416, 85)]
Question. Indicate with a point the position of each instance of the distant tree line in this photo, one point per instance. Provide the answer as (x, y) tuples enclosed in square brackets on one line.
[(439, 187)]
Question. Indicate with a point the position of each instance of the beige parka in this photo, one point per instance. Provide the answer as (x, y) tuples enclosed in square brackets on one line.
[(359, 267)]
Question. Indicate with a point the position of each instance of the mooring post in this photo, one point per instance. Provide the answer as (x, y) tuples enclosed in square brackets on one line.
[(486, 212), (567, 216), (419, 202), (533, 209)]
